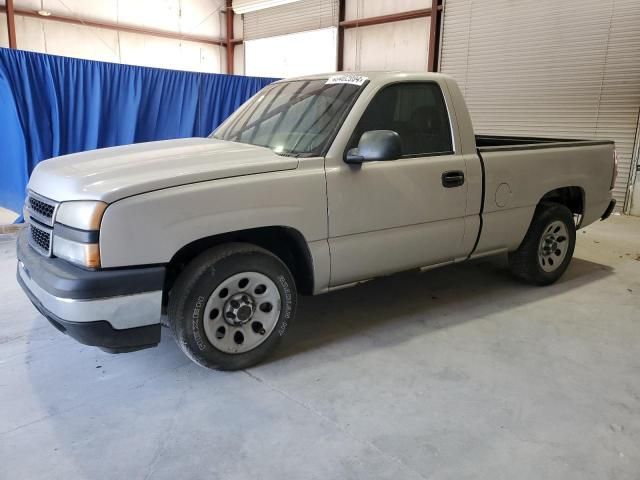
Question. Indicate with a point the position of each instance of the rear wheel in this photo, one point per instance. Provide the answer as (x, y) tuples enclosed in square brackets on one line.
[(547, 248), (231, 306)]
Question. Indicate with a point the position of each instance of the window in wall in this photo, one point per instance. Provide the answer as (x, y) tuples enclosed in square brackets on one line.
[(416, 111), (292, 55)]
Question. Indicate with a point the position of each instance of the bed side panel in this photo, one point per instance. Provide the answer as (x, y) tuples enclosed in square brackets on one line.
[(516, 180)]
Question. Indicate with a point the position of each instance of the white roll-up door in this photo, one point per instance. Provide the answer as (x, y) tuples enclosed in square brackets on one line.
[(245, 6), (294, 17), (568, 69)]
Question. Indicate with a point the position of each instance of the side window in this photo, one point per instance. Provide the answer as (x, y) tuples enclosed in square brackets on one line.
[(416, 111)]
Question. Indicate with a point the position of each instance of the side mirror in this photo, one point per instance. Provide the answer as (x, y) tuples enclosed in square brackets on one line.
[(376, 145)]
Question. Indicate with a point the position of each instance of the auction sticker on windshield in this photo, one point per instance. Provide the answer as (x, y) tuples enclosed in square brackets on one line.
[(347, 78)]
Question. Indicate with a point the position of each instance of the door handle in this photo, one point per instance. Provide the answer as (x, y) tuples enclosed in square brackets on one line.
[(454, 178)]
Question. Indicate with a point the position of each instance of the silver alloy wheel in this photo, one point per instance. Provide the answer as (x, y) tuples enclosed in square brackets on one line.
[(553, 246), (242, 312)]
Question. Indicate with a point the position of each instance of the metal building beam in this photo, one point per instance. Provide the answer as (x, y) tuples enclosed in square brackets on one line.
[(229, 40), (11, 24), (434, 36), (394, 17), (341, 17)]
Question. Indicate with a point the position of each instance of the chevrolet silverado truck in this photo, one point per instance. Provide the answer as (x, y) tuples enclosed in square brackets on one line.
[(316, 183)]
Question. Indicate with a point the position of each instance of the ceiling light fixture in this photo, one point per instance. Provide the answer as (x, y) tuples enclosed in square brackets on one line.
[(44, 13)]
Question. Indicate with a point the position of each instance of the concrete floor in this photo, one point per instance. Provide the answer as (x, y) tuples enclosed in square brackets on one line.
[(457, 373), (7, 216)]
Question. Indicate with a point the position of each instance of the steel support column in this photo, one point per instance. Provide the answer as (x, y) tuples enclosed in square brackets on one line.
[(229, 41), (434, 36), (11, 24), (341, 17)]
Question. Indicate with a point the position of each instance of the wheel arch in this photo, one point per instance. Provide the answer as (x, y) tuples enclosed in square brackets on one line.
[(572, 197), (287, 243)]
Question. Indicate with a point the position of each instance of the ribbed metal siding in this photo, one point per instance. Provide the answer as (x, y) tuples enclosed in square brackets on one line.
[(296, 17), (571, 69), (240, 6)]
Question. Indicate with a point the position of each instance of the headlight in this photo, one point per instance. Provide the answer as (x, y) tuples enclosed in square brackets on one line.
[(85, 215), (75, 232), (85, 254)]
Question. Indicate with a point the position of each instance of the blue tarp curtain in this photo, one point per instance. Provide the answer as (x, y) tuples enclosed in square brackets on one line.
[(52, 106)]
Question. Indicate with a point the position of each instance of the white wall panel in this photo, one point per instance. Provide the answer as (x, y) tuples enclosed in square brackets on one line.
[(181, 16), (573, 73), (77, 41), (33, 5), (150, 51), (391, 46), (160, 14), (30, 34), (4, 35), (111, 46), (202, 17), (292, 55), (238, 26), (99, 10), (198, 17), (355, 9), (238, 60)]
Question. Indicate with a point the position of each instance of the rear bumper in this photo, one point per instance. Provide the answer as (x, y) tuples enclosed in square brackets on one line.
[(117, 310), (609, 210)]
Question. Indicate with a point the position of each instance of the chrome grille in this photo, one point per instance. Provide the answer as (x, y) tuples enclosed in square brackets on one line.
[(40, 213), (42, 209), (40, 238)]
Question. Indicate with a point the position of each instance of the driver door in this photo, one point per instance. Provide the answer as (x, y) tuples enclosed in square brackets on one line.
[(388, 216)]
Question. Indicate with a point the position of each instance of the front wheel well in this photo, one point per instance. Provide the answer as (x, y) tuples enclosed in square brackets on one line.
[(286, 243)]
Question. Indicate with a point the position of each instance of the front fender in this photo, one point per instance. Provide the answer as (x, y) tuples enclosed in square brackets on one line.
[(150, 228)]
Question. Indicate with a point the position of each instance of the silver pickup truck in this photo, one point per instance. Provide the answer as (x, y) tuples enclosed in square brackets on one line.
[(316, 183)]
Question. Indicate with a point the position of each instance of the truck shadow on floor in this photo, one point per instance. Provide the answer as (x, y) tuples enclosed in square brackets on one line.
[(395, 309)]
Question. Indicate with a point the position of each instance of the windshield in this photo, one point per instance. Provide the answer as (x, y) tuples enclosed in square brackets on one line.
[(297, 118)]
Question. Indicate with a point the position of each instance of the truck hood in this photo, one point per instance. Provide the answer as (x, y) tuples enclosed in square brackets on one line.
[(110, 174)]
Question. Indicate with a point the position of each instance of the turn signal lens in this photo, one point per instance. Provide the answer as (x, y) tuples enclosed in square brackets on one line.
[(84, 254)]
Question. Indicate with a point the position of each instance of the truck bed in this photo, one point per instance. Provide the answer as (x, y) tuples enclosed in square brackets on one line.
[(491, 143), (519, 171)]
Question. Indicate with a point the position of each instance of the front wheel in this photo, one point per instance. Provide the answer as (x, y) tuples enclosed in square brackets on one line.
[(547, 248), (231, 305)]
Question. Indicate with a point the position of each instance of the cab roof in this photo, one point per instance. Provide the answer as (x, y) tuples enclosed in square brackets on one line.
[(374, 76)]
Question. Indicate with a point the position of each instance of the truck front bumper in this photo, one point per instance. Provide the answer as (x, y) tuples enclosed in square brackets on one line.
[(116, 310)]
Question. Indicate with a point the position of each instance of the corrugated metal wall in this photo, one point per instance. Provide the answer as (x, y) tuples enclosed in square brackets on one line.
[(295, 17), (548, 68)]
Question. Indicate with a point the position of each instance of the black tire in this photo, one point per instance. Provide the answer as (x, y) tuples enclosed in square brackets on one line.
[(526, 264), (195, 285)]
